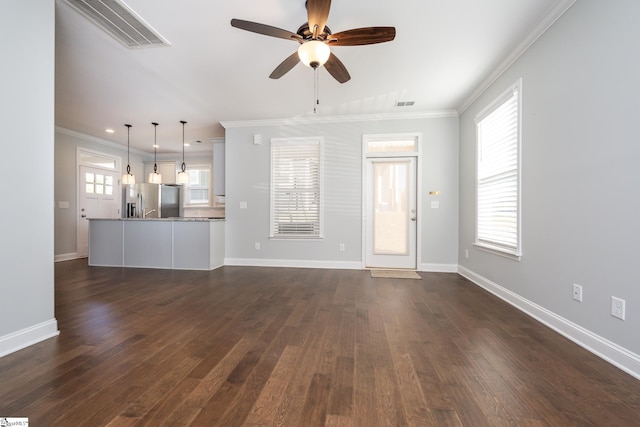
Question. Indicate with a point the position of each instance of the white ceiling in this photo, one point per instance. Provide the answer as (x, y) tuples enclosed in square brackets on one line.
[(212, 72)]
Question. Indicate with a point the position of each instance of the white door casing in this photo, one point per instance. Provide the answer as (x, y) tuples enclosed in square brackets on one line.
[(391, 213), (98, 197)]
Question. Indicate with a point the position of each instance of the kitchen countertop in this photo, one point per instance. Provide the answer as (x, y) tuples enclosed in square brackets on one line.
[(158, 219)]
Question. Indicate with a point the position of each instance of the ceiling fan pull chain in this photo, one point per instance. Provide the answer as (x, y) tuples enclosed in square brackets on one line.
[(315, 90)]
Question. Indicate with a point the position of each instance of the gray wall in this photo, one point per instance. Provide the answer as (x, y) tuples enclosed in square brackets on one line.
[(247, 179), (580, 174), (26, 213), (66, 187)]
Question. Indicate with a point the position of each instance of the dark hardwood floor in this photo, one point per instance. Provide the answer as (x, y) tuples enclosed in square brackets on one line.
[(301, 347)]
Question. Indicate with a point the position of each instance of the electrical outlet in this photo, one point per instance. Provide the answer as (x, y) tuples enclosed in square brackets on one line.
[(577, 292), (341, 247), (257, 245), (618, 308)]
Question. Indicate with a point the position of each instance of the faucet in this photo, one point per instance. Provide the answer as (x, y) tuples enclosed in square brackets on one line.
[(147, 212)]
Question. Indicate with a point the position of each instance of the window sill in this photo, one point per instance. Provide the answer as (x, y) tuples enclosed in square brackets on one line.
[(297, 238), (516, 256)]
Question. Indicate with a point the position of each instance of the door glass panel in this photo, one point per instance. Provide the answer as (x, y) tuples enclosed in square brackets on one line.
[(391, 208), (393, 145), (94, 159), (99, 179), (89, 188), (99, 189), (89, 177)]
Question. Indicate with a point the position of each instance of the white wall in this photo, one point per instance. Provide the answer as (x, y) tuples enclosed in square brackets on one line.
[(580, 179), (247, 180), (26, 214)]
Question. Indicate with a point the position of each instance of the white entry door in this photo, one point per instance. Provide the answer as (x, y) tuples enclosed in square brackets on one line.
[(391, 217), (99, 196)]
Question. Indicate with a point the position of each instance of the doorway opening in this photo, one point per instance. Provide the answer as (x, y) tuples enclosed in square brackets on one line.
[(99, 193), (391, 226)]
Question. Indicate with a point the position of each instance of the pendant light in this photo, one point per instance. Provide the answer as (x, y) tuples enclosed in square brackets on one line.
[(155, 177), (183, 176), (128, 178)]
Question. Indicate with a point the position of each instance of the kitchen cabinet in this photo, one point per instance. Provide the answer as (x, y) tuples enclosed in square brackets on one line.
[(165, 243), (168, 170)]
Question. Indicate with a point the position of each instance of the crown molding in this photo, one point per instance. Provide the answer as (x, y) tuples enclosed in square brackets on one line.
[(96, 140), (107, 143), (340, 119), (545, 23)]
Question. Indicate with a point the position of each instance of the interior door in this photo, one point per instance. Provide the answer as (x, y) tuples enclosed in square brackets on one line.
[(391, 217), (98, 198)]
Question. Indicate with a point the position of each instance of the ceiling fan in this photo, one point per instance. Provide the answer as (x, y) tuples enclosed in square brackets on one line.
[(315, 40)]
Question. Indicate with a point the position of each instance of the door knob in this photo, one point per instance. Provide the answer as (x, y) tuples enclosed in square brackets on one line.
[(83, 216), (413, 219)]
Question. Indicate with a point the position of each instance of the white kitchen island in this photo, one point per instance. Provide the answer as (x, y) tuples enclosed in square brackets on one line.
[(169, 243)]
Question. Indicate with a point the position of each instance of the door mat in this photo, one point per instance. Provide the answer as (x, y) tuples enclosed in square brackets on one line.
[(396, 274)]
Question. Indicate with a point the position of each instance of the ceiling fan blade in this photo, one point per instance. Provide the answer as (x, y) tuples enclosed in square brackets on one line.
[(336, 68), (362, 36), (285, 66), (267, 30), (318, 13)]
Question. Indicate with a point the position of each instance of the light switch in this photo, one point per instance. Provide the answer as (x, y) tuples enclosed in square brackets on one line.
[(257, 139), (63, 205), (243, 205)]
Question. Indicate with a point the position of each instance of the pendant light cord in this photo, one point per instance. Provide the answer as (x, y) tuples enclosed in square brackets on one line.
[(184, 166), (155, 146), (128, 161)]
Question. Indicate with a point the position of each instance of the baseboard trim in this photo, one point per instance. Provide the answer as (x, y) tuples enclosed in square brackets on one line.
[(338, 265), (255, 262), (439, 268), (28, 336), (609, 351), (67, 257)]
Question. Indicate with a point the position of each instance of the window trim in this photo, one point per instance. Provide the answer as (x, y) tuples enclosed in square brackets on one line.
[(186, 203), (317, 140), (516, 253)]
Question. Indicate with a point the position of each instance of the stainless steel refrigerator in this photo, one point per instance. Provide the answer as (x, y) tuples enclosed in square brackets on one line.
[(152, 201)]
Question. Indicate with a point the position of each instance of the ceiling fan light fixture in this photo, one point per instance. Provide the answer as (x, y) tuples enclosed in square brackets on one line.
[(314, 53)]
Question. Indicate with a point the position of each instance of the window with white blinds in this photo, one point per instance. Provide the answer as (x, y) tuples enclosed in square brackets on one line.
[(296, 177), (498, 174)]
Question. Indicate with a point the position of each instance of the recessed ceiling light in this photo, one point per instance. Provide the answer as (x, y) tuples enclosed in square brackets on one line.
[(156, 146), (186, 144), (109, 130)]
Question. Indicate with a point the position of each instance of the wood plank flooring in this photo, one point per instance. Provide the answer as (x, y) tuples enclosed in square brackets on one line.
[(301, 347)]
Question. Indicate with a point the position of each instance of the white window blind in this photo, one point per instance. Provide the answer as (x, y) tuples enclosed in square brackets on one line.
[(295, 188), (498, 174)]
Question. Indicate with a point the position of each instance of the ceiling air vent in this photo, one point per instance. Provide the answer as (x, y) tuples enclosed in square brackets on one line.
[(404, 103), (117, 19)]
